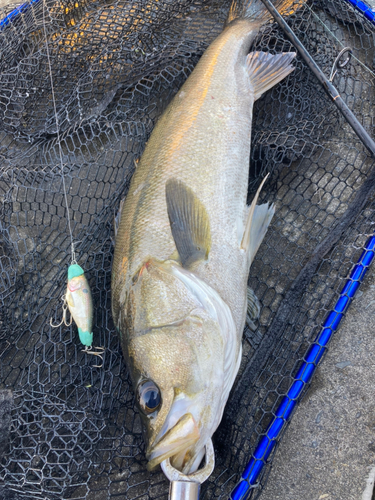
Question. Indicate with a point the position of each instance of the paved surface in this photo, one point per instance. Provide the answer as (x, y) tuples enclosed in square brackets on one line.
[(329, 448), (3, 3)]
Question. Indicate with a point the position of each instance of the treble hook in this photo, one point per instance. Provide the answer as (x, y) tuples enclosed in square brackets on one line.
[(88, 350), (338, 64), (65, 309)]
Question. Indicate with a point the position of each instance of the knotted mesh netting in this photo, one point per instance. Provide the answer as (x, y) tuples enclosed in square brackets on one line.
[(74, 431)]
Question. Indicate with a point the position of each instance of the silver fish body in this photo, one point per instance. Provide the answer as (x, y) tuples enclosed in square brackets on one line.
[(202, 139), (184, 247)]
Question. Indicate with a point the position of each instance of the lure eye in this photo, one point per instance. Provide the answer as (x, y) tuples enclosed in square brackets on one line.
[(149, 397)]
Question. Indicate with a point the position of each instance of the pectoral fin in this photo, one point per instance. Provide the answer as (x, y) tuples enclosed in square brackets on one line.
[(189, 223), (258, 220)]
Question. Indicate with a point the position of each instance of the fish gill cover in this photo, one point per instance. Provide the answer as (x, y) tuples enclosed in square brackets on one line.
[(74, 431)]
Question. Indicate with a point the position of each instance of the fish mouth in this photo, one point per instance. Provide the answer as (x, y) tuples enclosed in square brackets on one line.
[(182, 436)]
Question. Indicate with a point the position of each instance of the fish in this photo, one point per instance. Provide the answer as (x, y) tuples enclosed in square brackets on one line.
[(186, 240), (79, 301)]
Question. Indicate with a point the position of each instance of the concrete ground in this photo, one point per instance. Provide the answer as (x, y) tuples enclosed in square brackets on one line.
[(328, 450)]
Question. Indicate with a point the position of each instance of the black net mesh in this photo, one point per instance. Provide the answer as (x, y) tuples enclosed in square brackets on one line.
[(74, 432)]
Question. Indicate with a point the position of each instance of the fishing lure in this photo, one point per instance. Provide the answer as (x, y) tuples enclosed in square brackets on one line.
[(78, 301), (78, 294)]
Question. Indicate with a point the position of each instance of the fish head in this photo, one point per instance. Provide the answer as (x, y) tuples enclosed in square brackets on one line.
[(176, 351), (171, 392)]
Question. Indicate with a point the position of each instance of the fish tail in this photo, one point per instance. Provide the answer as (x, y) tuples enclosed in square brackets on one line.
[(255, 9)]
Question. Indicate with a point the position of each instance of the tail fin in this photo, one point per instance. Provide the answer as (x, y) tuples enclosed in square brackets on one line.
[(256, 10)]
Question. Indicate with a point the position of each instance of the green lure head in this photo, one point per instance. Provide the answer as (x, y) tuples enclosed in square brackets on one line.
[(74, 270)]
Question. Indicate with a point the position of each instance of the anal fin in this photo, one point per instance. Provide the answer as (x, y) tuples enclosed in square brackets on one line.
[(266, 70), (189, 223), (258, 220)]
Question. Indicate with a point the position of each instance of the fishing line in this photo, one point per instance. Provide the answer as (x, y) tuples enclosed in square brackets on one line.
[(337, 40), (74, 261), (80, 307)]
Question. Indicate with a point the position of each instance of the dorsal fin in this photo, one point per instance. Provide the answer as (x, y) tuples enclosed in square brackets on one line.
[(189, 223), (258, 220), (266, 70)]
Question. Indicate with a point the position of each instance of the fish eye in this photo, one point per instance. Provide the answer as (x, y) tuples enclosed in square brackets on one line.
[(149, 397)]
